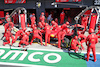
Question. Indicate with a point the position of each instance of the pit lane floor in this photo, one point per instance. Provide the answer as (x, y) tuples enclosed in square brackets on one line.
[(51, 48)]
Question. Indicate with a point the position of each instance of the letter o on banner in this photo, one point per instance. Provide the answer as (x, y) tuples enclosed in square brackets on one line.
[(52, 61)]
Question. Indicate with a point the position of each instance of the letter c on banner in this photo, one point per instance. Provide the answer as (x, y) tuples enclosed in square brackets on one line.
[(52, 61), (30, 57)]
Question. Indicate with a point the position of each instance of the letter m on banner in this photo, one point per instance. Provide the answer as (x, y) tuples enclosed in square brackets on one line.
[(16, 53)]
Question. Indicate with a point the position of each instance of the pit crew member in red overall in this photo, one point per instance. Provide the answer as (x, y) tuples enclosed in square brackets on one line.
[(62, 16), (8, 36), (91, 41), (42, 17), (33, 18), (7, 17), (24, 39), (47, 29), (56, 20), (8, 25), (36, 33), (19, 34), (83, 39), (61, 35), (74, 44)]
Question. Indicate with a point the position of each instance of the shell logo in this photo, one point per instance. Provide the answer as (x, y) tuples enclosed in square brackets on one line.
[(52, 35)]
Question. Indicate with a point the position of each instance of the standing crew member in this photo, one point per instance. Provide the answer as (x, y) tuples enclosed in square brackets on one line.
[(7, 17), (47, 33), (49, 18), (62, 16), (92, 39), (9, 36), (56, 20), (42, 17), (33, 23)]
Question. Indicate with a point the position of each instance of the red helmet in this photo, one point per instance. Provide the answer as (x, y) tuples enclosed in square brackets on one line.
[(7, 13), (75, 37), (52, 22), (63, 26), (67, 23), (43, 23), (34, 27), (91, 31), (46, 24), (62, 10), (24, 29), (68, 30), (78, 32), (27, 33), (40, 23), (9, 29), (33, 14), (42, 13)]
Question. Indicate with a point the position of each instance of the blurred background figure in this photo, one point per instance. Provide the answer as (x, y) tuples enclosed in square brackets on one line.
[(49, 18), (62, 16), (56, 20)]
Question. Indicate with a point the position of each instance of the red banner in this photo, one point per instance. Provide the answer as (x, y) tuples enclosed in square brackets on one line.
[(68, 0), (1, 14), (14, 1), (76, 0), (62, 0)]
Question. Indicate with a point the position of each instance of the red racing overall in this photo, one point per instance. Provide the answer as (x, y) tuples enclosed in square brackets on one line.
[(47, 33), (33, 20), (62, 16), (24, 40), (8, 25), (8, 35), (74, 44), (92, 39), (56, 20), (83, 38), (60, 37), (36, 33), (42, 17), (19, 34), (7, 17)]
